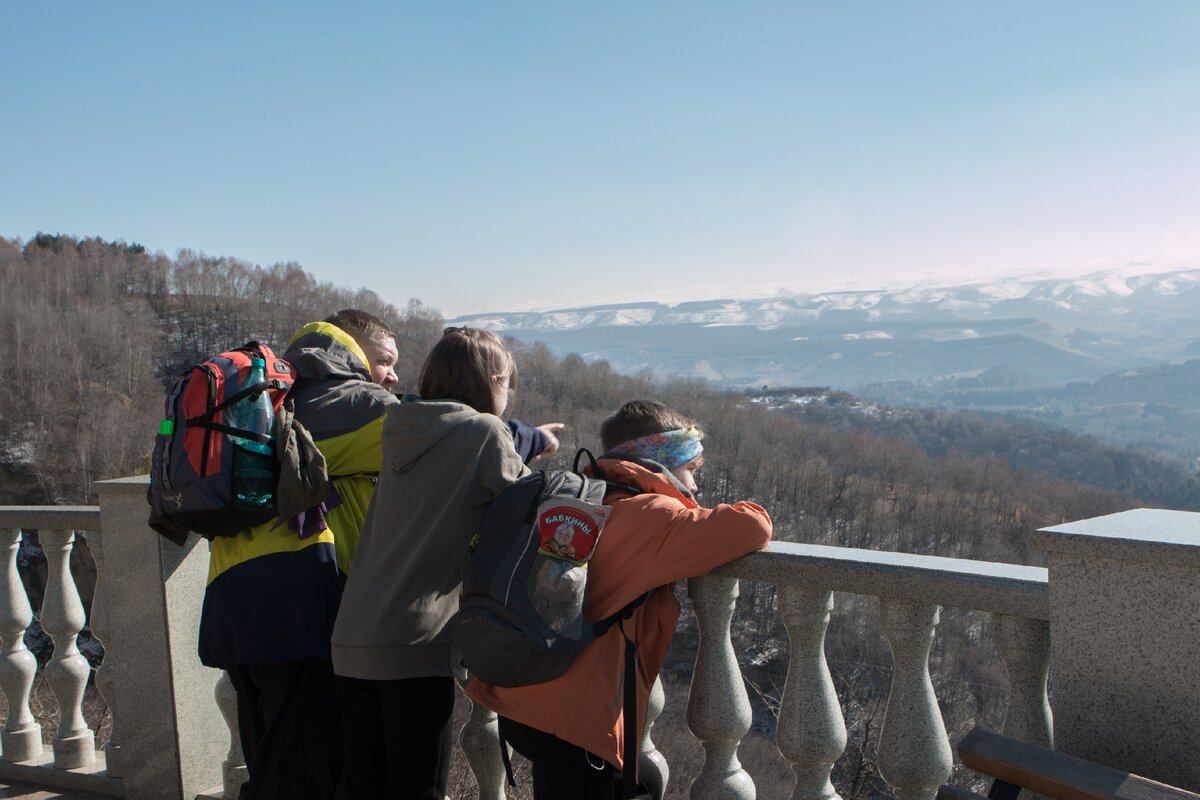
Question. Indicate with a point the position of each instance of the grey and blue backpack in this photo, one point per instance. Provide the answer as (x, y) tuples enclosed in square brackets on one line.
[(522, 618)]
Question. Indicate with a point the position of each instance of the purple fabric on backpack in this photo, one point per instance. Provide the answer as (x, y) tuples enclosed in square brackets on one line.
[(312, 521)]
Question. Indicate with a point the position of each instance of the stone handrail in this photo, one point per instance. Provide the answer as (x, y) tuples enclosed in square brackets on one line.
[(914, 753), (981, 585)]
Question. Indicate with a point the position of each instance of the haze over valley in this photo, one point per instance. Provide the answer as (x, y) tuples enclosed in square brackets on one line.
[(1112, 354)]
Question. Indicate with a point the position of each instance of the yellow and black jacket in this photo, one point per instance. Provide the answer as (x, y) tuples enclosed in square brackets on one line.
[(273, 596)]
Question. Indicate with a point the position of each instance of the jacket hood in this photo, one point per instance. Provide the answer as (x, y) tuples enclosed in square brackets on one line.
[(649, 476), (320, 351), (412, 428)]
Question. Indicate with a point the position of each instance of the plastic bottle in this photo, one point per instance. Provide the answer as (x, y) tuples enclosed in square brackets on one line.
[(253, 461)]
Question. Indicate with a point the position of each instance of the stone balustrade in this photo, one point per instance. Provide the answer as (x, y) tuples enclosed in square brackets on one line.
[(173, 733), (914, 752), (72, 762), (915, 756), (168, 738)]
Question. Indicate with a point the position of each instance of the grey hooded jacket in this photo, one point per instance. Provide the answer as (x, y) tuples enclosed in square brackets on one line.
[(443, 462)]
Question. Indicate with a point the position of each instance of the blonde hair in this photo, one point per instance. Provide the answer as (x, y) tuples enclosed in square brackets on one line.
[(461, 365)]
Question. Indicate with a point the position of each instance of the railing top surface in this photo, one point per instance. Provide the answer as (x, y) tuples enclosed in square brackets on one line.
[(1002, 588), (132, 481), (82, 518), (1140, 534)]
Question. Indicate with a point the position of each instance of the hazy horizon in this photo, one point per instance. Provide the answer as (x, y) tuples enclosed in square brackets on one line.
[(876, 283)]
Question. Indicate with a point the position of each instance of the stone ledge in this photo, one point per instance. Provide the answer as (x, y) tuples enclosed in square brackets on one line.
[(983, 585), (80, 518), (134, 483), (1142, 534), (16, 791), (39, 773)]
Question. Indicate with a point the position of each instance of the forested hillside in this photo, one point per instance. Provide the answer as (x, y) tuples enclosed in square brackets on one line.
[(96, 329), (1152, 408), (1020, 441)]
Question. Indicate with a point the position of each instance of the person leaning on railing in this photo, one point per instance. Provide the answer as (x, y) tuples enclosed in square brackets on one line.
[(572, 728)]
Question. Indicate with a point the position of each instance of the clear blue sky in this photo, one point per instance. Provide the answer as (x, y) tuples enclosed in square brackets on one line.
[(494, 156)]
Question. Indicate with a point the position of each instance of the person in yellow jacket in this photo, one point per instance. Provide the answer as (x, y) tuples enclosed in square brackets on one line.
[(572, 727), (273, 591)]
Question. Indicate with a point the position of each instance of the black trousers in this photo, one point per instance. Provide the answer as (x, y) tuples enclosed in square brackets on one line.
[(563, 770), (398, 737), (290, 730)]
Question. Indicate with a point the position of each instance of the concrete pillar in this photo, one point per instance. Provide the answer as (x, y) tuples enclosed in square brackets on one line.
[(1125, 641), (173, 738)]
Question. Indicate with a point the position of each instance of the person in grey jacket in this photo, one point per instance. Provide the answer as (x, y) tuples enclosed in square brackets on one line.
[(445, 458)]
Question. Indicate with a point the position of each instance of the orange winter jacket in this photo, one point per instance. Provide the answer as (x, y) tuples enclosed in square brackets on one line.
[(650, 540)]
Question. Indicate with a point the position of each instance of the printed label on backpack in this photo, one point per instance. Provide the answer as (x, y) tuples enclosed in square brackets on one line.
[(568, 528)]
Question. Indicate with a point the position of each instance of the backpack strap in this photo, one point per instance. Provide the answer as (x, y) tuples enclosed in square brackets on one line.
[(613, 486), (214, 426), (596, 473), (632, 739), (244, 391), (601, 627), (504, 756)]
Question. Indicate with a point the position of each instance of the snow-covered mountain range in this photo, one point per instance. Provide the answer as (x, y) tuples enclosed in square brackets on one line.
[(1054, 328)]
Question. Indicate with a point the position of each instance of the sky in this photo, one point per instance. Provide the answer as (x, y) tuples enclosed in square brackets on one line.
[(507, 156)]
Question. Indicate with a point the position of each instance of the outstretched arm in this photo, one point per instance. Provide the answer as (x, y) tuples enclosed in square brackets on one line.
[(533, 443)]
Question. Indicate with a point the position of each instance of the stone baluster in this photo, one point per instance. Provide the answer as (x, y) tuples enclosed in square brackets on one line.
[(107, 679), (914, 751), (654, 706), (718, 710), (68, 670), (811, 733), (233, 768), (479, 740), (22, 736), (1025, 646)]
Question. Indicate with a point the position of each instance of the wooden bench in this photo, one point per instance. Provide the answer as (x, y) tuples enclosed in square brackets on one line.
[(1017, 765)]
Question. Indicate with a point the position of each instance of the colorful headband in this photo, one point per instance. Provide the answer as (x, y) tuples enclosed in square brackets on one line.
[(670, 448)]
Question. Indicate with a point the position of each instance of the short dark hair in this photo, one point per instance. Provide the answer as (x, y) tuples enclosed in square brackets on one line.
[(639, 418), (461, 365), (361, 326)]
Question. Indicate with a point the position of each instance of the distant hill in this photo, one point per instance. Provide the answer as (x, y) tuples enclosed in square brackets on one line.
[(1058, 329)]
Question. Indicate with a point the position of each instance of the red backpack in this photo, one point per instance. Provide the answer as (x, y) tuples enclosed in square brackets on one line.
[(192, 481)]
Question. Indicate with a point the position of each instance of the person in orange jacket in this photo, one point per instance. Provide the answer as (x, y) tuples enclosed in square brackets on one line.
[(571, 728)]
